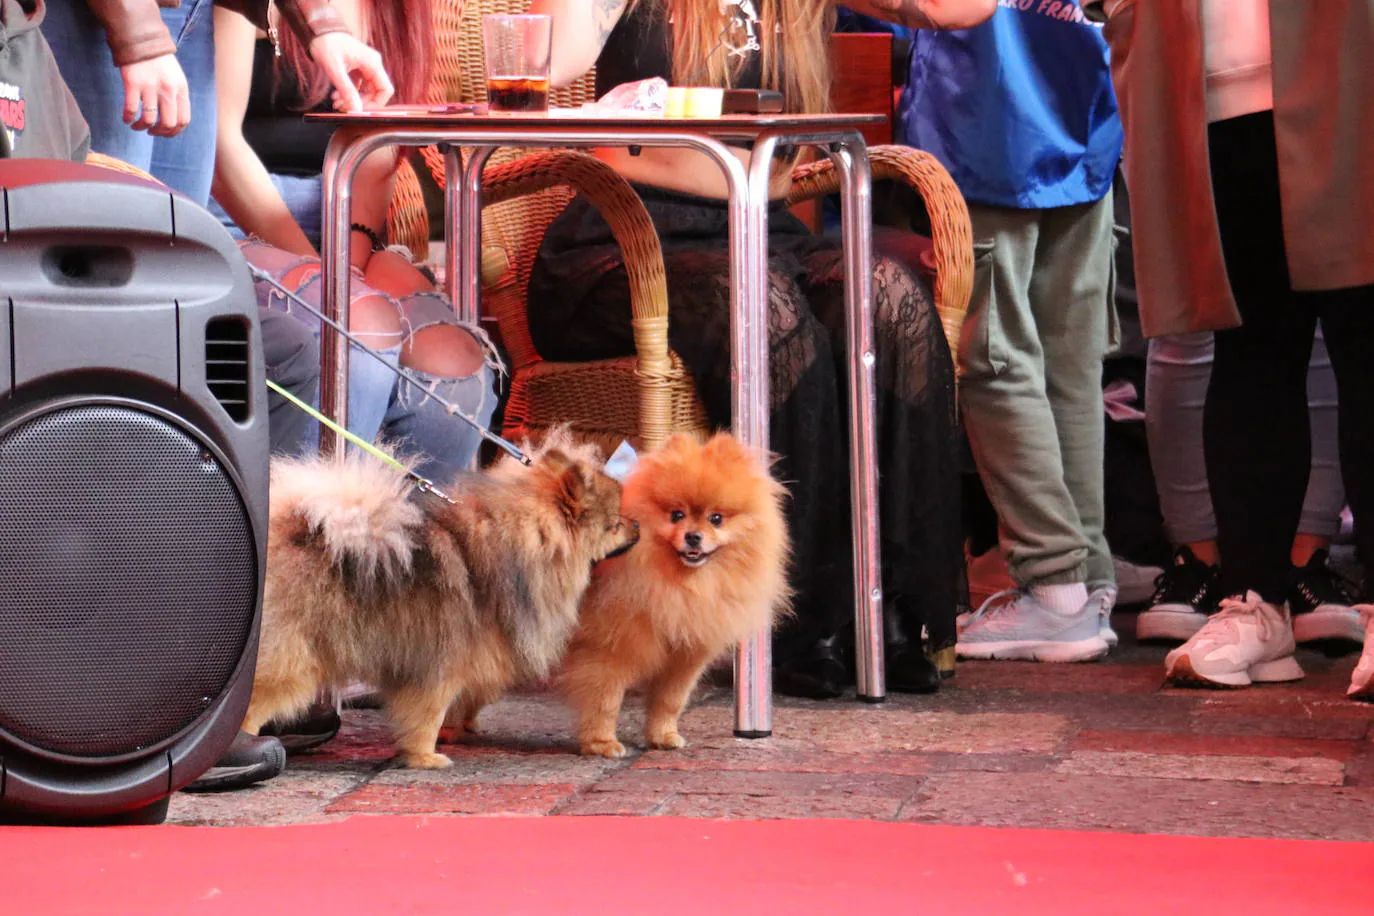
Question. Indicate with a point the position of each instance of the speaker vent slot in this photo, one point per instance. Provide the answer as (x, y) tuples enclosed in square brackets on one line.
[(226, 365), (88, 266)]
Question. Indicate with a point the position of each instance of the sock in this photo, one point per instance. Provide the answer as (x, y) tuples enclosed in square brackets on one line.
[(1065, 600)]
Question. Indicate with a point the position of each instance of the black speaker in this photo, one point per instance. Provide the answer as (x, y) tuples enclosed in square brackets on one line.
[(133, 493)]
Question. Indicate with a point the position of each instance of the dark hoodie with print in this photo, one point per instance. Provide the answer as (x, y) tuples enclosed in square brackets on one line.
[(39, 117)]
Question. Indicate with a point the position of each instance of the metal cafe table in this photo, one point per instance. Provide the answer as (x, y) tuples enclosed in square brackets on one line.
[(837, 135)]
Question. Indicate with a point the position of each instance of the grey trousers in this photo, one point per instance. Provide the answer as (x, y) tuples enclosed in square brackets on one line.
[(292, 355), (1038, 326)]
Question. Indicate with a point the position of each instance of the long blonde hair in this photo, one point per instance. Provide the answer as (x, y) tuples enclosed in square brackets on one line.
[(793, 35)]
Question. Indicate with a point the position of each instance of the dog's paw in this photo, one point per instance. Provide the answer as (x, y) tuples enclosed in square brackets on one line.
[(427, 761), (612, 749), (667, 741), (470, 726)]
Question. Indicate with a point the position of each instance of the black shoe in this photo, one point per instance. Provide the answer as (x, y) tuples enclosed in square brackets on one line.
[(820, 674), (1321, 608), (319, 724), (910, 670), (1184, 595), (249, 760)]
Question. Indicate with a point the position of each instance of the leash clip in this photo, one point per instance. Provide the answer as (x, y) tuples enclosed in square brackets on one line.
[(425, 485)]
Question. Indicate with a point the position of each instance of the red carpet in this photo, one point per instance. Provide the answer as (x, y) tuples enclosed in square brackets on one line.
[(375, 865)]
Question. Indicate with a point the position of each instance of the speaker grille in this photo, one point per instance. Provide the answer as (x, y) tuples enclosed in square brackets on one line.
[(129, 580), (226, 364)]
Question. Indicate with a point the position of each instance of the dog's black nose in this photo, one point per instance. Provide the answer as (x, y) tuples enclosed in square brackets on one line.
[(692, 539)]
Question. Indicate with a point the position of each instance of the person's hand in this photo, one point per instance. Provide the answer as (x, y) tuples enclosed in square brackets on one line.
[(156, 97), (360, 81)]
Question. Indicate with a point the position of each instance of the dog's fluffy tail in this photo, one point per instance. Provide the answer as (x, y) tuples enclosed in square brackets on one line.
[(358, 509)]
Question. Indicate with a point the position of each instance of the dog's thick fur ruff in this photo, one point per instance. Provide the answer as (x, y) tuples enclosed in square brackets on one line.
[(660, 614), (430, 602)]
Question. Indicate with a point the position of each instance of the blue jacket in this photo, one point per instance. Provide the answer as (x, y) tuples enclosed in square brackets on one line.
[(1020, 109)]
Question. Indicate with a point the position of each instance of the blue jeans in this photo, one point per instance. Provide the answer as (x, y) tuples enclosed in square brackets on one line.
[(186, 162), (380, 406)]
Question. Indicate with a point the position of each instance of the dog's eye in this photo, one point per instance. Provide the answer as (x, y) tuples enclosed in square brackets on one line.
[(676, 516), (715, 519)]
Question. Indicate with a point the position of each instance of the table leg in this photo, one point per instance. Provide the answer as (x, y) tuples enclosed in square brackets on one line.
[(851, 162), (465, 273), (453, 195), (749, 404), (341, 162)]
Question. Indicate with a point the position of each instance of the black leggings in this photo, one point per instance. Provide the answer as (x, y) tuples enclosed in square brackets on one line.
[(1256, 435), (579, 310)]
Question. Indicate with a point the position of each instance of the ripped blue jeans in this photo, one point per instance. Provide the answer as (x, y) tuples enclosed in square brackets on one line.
[(382, 407)]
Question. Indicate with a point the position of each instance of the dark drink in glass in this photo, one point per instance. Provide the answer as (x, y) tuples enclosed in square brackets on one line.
[(518, 93), (516, 50)]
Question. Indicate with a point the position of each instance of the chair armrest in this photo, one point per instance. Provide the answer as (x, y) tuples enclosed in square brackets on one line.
[(629, 222), (949, 220), (117, 165)]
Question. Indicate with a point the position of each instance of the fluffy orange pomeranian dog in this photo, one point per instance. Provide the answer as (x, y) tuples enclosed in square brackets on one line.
[(710, 569)]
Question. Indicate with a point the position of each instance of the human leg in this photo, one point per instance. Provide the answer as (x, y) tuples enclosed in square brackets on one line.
[(1178, 369), (452, 362), (291, 353), (1318, 599), (918, 458), (1256, 433), (1071, 298), (1011, 425), (186, 162), (83, 56)]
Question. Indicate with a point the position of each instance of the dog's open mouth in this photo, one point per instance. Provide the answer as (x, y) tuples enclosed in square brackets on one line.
[(695, 557)]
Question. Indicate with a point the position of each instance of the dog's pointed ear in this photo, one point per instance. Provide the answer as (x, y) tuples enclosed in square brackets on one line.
[(571, 492), (555, 459)]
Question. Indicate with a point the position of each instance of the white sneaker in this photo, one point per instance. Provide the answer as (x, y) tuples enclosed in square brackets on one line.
[(1013, 625), (1362, 681), (1103, 600), (1247, 640)]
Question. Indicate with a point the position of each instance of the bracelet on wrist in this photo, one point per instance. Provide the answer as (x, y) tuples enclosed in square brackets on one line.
[(374, 238)]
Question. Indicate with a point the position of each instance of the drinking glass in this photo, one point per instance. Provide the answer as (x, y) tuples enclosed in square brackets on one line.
[(516, 52)]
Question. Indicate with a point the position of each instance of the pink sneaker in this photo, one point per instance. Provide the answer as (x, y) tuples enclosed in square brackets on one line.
[(1362, 681), (1248, 640)]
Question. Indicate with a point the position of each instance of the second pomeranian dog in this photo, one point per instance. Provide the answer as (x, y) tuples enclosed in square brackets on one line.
[(711, 570), (430, 601)]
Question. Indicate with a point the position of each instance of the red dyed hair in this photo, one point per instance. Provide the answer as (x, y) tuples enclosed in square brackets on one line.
[(400, 30)]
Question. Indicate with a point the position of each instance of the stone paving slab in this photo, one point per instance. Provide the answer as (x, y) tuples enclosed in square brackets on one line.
[(1100, 746)]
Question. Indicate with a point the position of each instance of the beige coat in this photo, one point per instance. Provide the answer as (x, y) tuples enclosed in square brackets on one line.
[(1323, 73)]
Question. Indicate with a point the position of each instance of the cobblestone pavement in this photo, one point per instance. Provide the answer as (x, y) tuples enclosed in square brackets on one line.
[(1101, 746)]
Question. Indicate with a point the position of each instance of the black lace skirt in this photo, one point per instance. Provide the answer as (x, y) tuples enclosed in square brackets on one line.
[(580, 310)]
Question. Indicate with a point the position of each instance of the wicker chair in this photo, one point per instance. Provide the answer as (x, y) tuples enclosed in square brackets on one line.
[(116, 165), (649, 396)]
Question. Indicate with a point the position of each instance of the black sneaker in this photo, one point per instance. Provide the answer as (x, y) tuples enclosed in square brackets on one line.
[(1321, 608), (1184, 595), (249, 760)]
